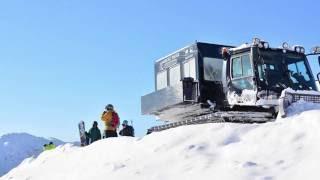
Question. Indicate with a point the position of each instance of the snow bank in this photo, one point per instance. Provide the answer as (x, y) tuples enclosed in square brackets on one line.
[(301, 106), (15, 147), (285, 149), (242, 46)]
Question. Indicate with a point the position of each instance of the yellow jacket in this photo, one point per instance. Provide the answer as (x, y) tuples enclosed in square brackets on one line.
[(49, 147), (106, 117)]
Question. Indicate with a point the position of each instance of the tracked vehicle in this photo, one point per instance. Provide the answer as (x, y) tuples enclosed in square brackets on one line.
[(205, 82)]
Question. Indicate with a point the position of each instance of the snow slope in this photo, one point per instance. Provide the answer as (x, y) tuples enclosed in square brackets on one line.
[(285, 149), (15, 147)]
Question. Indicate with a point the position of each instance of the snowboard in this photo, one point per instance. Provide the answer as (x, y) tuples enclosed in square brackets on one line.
[(82, 131)]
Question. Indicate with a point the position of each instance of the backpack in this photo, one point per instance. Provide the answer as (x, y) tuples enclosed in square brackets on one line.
[(115, 122), (127, 131), (130, 131)]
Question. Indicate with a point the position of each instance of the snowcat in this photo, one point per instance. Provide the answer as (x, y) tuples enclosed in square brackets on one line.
[(252, 83)]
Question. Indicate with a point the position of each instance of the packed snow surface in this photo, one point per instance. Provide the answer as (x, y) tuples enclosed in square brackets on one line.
[(15, 147), (285, 149)]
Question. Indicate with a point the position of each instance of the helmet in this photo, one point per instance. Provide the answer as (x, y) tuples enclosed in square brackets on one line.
[(109, 107), (125, 122)]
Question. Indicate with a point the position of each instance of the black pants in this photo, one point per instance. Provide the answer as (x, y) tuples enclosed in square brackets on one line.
[(110, 133)]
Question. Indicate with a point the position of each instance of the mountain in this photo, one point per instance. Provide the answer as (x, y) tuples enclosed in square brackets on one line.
[(285, 149), (15, 147)]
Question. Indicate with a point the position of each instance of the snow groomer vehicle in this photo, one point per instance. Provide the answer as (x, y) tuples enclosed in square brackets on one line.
[(254, 82)]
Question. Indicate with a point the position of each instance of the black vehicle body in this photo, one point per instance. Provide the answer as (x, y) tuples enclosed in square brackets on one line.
[(199, 79), (190, 91), (271, 71)]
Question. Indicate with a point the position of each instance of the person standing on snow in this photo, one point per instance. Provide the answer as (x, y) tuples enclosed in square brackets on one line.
[(111, 120), (126, 129), (87, 138), (45, 147), (94, 133), (49, 146)]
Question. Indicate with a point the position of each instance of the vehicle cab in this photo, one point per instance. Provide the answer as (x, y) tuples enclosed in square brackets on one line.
[(257, 73)]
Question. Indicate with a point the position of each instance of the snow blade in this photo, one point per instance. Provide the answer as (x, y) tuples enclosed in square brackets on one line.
[(220, 117), (289, 96)]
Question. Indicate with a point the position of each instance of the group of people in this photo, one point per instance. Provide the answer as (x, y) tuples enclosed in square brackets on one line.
[(49, 146), (111, 120)]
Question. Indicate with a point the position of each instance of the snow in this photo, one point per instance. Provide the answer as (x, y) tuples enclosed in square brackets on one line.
[(15, 147), (242, 46), (285, 149), (301, 106)]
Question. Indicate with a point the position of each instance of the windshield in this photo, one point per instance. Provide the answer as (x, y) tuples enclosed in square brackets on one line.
[(282, 70)]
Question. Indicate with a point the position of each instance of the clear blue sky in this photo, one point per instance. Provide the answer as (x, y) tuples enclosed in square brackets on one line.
[(63, 61)]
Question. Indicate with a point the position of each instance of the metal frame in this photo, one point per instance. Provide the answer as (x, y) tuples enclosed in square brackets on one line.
[(219, 117), (290, 98)]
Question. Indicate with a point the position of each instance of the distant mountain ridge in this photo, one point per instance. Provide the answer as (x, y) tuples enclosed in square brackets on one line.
[(15, 147)]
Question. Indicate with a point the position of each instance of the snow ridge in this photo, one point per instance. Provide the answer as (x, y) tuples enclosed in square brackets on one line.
[(285, 149)]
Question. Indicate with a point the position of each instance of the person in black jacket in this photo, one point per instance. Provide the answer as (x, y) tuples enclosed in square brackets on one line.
[(126, 129), (94, 132)]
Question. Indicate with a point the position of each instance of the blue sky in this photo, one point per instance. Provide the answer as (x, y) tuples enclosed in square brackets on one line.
[(63, 61)]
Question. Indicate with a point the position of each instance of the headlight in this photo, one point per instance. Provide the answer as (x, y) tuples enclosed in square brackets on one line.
[(299, 49), (285, 45), (316, 49), (260, 43)]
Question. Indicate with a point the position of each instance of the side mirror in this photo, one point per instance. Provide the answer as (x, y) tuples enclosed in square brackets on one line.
[(225, 53), (319, 60)]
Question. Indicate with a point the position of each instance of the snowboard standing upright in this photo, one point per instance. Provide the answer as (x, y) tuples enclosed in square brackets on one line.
[(82, 131)]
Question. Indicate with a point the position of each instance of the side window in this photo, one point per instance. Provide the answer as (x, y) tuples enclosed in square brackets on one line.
[(236, 67), (297, 70), (189, 68), (261, 72), (175, 76), (212, 69), (246, 66), (303, 71), (293, 69), (241, 66), (161, 80)]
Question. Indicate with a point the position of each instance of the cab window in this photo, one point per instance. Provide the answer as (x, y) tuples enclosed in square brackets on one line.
[(241, 66)]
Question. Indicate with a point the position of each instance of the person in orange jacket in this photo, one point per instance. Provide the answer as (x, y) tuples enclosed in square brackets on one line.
[(111, 120)]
